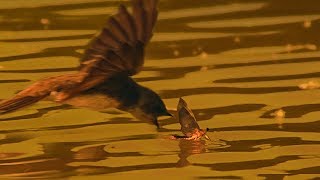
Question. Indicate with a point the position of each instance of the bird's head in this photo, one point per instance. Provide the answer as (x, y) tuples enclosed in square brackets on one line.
[(150, 107)]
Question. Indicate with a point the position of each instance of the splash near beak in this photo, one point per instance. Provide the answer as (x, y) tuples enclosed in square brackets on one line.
[(207, 137)]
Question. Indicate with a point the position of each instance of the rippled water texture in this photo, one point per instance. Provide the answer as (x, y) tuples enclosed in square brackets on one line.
[(248, 69)]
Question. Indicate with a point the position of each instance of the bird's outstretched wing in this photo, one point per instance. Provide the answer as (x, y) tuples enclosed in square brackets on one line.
[(186, 118), (120, 45), (119, 48)]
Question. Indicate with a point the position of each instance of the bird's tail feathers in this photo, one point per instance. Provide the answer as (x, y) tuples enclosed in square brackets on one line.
[(17, 103)]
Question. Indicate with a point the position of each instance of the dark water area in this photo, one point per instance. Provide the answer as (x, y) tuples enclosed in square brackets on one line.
[(249, 70)]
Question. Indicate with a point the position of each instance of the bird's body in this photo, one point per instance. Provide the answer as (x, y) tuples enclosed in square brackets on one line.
[(104, 76), (90, 101), (117, 92)]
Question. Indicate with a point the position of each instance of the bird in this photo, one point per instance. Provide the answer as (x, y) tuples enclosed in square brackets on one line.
[(104, 76), (189, 126)]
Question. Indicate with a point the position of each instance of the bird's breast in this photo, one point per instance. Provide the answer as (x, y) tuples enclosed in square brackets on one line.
[(93, 101)]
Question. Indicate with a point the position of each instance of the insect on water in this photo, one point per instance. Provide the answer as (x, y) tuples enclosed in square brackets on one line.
[(189, 126)]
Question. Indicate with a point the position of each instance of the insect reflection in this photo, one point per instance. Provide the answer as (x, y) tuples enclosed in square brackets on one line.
[(188, 148)]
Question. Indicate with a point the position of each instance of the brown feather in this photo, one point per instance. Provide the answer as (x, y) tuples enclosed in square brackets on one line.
[(128, 24), (139, 15), (17, 103), (117, 30), (151, 18)]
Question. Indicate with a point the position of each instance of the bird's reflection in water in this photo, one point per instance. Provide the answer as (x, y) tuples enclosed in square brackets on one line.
[(54, 162), (95, 153), (188, 148)]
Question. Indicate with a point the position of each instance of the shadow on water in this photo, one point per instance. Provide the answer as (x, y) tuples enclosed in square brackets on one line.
[(269, 78), (38, 70), (287, 174), (40, 112), (287, 127), (14, 81), (74, 37), (220, 177), (77, 126), (296, 111), (225, 90), (269, 62), (53, 52), (255, 145), (245, 165)]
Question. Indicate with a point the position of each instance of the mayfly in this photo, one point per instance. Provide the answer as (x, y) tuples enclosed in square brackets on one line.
[(189, 125)]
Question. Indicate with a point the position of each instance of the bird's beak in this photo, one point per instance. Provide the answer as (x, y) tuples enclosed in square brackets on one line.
[(155, 122), (168, 114)]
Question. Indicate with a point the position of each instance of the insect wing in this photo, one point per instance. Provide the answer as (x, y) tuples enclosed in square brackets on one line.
[(186, 118)]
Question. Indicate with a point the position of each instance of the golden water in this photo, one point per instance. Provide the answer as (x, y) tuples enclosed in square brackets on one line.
[(236, 63)]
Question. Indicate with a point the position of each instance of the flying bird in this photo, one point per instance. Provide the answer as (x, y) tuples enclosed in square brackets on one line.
[(104, 76), (189, 126)]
